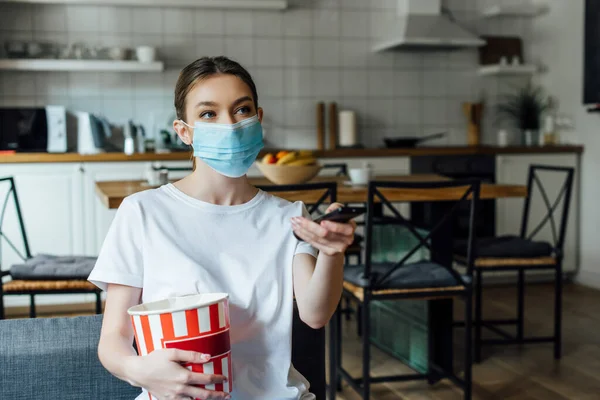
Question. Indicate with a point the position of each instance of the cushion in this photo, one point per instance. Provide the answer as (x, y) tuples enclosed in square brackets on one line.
[(56, 358), (423, 274), (506, 247), (48, 267)]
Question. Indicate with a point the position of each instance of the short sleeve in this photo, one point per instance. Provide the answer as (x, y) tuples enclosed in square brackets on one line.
[(303, 247), (120, 260)]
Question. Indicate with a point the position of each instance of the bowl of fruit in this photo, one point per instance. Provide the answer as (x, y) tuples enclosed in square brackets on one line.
[(289, 167)]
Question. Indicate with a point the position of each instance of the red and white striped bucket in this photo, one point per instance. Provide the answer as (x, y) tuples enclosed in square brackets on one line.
[(198, 323)]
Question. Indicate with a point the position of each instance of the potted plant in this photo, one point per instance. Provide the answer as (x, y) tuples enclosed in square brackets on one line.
[(524, 109)]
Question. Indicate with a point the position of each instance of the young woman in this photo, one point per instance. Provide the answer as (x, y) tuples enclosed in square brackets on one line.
[(214, 232)]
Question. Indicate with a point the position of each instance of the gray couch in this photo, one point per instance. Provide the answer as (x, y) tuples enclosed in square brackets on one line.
[(55, 358)]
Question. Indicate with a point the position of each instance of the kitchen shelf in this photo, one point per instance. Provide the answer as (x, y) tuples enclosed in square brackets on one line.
[(497, 70), (516, 10), (79, 65), (236, 4)]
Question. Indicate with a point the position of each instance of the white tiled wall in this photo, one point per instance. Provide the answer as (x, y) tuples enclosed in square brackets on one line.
[(319, 50)]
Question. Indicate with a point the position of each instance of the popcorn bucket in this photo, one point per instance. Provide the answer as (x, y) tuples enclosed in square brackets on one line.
[(196, 323)]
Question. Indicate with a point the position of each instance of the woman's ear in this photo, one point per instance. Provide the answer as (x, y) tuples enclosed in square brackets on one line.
[(259, 112), (183, 132)]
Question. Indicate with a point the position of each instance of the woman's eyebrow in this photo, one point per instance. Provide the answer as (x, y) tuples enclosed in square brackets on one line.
[(241, 100)]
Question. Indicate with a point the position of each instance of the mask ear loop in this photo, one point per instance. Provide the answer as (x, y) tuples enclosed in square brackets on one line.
[(193, 159)]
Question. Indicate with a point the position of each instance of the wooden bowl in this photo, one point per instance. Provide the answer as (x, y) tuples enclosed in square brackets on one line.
[(288, 174)]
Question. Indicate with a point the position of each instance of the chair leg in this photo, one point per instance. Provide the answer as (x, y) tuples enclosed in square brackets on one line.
[(366, 342), (98, 303), (332, 356), (478, 316), (338, 350), (32, 313), (468, 346), (359, 320), (558, 312), (521, 305), (2, 316)]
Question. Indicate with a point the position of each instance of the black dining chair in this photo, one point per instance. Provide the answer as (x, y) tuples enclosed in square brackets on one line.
[(51, 274), (522, 253), (432, 279)]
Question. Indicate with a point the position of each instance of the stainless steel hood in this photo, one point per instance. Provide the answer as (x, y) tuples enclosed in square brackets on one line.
[(420, 24)]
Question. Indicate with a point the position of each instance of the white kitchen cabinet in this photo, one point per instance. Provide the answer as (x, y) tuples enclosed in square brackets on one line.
[(50, 196), (514, 169)]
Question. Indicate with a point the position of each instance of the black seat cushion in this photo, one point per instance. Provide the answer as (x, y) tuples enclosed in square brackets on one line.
[(419, 275), (506, 247), (49, 267)]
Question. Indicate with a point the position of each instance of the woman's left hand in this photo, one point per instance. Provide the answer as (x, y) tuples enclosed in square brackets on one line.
[(330, 238)]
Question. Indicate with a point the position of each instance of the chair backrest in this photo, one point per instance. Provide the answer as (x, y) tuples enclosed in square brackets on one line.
[(561, 180), (8, 192), (56, 358), (342, 168), (313, 195), (466, 191)]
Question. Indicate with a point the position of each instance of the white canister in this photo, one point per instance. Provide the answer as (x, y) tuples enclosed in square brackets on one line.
[(502, 138), (145, 54), (347, 124)]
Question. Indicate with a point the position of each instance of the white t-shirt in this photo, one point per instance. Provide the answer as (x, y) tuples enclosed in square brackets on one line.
[(171, 244)]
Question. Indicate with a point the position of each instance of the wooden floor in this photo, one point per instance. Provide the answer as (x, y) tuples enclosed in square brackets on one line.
[(507, 372)]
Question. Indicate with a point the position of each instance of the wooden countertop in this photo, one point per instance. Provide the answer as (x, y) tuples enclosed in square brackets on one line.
[(338, 153), (112, 193)]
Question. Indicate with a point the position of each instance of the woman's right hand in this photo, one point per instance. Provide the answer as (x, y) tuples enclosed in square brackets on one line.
[(161, 373)]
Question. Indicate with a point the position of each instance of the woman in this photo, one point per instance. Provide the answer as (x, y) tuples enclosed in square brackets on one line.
[(214, 232)]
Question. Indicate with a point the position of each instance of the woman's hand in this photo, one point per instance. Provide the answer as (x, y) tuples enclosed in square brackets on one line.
[(162, 374), (330, 238)]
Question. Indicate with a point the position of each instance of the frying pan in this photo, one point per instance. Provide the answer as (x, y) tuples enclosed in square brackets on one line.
[(410, 141)]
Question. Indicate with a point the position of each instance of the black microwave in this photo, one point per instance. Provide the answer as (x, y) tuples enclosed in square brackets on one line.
[(33, 129)]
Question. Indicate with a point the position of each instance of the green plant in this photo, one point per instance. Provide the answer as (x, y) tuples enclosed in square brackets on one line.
[(524, 108)]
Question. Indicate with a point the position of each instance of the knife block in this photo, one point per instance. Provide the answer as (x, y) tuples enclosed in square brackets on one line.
[(474, 114)]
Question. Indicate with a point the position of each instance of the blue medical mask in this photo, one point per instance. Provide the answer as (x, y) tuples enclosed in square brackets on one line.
[(229, 149)]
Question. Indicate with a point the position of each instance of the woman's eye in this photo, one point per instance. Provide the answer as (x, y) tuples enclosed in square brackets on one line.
[(208, 115), (243, 110)]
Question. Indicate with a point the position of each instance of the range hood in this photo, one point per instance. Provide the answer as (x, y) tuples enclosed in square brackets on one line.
[(420, 24)]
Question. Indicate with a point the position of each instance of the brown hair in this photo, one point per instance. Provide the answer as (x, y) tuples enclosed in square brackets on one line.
[(203, 68)]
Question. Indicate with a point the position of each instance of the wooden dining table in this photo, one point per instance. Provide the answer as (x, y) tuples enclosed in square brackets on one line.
[(112, 193), (440, 320)]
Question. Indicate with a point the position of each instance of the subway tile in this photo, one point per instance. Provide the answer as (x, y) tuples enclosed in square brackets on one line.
[(273, 115), (117, 84), (18, 83), (326, 53), (178, 21), (381, 84), (326, 23), (269, 82), (269, 52), (83, 18), (297, 52), (300, 138), (408, 83), (116, 19), (267, 23), (383, 4), (297, 22), (50, 18), (355, 24), (380, 60), (297, 82), (355, 83), (147, 20), (381, 113), (325, 4), (355, 53), (454, 111), (148, 85), (241, 50), (326, 82), (209, 22), (52, 83), (355, 4), (84, 84), (408, 111), (408, 60), (435, 60), (21, 101), (434, 111), (86, 103), (16, 17), (238, 23), (211, 46), (117, 110), (179, 50), (381, 23), (435, 83), (300, 113), (461, 83)]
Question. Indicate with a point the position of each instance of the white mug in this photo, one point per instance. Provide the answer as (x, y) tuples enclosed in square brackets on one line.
[(360, 176), (145, 54)]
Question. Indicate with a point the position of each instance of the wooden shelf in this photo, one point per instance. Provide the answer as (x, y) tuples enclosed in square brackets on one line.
[(496, 70), (530, 10), (236, 4), (79, 65)]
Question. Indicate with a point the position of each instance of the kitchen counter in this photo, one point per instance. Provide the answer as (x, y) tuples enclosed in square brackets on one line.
[(338, 153)]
